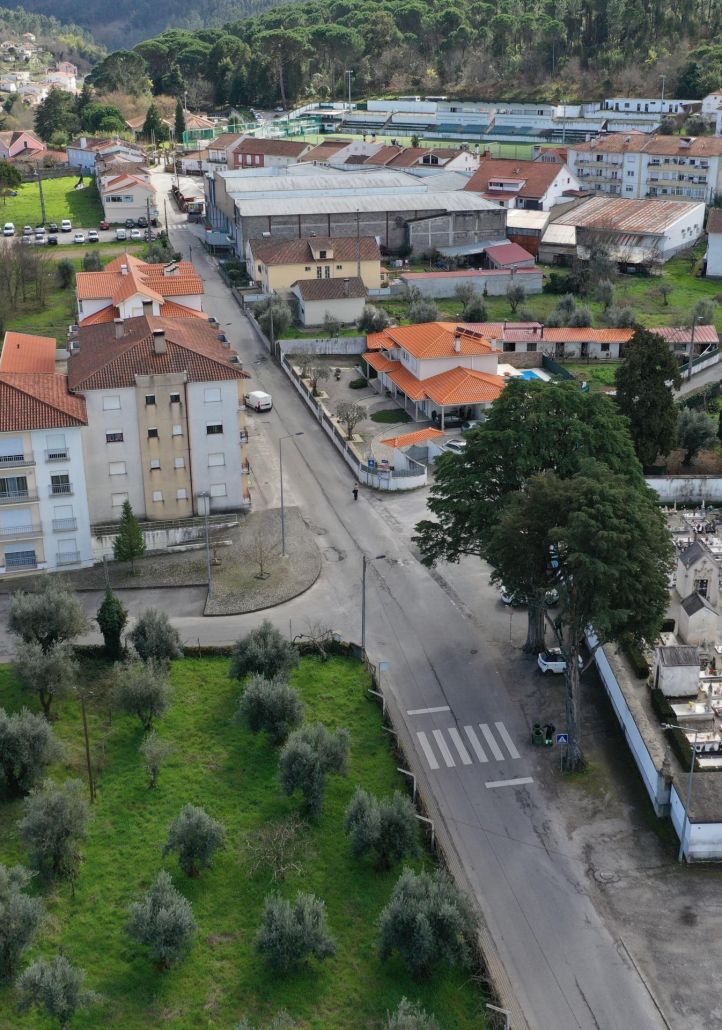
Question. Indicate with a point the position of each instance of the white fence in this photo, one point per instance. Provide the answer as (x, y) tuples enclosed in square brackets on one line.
[(324, 345)]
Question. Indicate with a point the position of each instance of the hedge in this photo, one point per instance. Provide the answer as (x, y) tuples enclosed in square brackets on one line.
[(682, 749), (662, 708), (638, 661), (358, 384)]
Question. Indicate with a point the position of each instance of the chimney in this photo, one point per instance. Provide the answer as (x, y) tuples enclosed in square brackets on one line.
[(123, 269), (457, 344), (119, 327), (346, 289), (147, 307), (159, 346)]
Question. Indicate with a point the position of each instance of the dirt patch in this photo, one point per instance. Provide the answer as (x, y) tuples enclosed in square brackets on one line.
[(707, 463)]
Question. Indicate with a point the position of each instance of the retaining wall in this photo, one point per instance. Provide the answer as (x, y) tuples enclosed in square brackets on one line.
[(686, 489)]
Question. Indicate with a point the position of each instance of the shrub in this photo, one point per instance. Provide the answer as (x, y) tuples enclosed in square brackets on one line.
[(196, 837), (409, 1016), (270, 705), (27, 747), (581, 318), (51, 614), (142, 689), (129, 542), (280, 1022), (55, 986), (464, 293), (515, 294), (292, 933), (358, 384), (111, 618), (373, 319), (427, 921), (696, 431), (638, 661), (387, 827), (65, 271), (661, 706), (154, 638), (391, 416), (20, 917), (424, 310), (309, 755), (163, 921), (604, 293), (621, 317), (93, 262), (265, 651), (54, 823), (46, 674), (155, 750), (332, 326), (681, 747), (475, 310), (274, 316), (558, 284)]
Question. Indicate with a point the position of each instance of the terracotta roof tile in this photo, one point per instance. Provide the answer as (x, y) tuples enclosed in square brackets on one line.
[(171, 309), (38, 400), (24, 353), (375, 341), (406, 439), (508, 253), (714, 222), (463, 386), (638, 143), (149, 280), (408, 383), (271, 147), (380, 363), (437, 339), (331, 289), (296, 252), (537, 175)]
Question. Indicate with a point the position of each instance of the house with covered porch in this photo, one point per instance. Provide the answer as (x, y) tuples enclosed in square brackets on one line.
[(435, 369)]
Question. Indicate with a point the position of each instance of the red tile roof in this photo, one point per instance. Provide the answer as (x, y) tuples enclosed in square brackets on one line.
[(331, 289), (24, 353), (149, 280), (296, 252), (714, 222), (626, 142), (463, 386), (437, 340), (170, 310), (127, 180), (271, 147), (192, 346), (38, 400), (406, 439), (382, 364), (537, 175), (509, 254)]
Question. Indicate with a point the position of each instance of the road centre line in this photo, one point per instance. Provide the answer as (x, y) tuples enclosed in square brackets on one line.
[(428, 711), (510, 783)]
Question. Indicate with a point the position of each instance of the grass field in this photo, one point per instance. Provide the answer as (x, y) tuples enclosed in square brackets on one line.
[(82, 207), (233, 774), (602, 375)]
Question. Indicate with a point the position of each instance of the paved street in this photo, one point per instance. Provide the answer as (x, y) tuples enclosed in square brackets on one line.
[(471, 739)]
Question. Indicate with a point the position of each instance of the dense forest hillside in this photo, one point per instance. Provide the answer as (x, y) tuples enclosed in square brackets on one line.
[(72, 38)]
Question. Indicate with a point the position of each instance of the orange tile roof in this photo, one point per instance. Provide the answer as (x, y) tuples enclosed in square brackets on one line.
[(130, 180), (408, 383), (38, 400), (416, 437), (463, 386), (437, 339), (24, 353), (170, 309), (381, 363), (375, 341), (536, 176), (150, 280)]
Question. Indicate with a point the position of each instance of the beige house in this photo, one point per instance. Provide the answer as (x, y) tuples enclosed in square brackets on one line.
[(276, 266), (343, 299)]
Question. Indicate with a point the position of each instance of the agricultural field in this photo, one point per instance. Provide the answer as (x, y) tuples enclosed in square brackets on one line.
[(81, 206), (221, 766)]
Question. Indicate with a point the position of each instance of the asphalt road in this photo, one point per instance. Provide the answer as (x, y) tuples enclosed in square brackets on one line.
[(567, 970)]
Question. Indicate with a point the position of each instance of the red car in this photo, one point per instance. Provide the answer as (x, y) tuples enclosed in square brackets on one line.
[(104, 224)]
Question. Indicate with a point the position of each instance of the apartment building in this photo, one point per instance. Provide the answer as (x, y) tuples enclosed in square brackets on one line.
[(44, 518), (129, 287), (635, 166), (166, 422)]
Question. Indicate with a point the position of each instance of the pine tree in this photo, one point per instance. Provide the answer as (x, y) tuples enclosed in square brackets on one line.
[(129, 543), (180, 120)]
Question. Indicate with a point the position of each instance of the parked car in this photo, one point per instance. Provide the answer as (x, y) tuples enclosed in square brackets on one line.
[(150, 235), (136, 234), (471, 423), (512, 599), (40, 227), (52, 241), (121, 234), (259, 401), (79, 237), (452, 419), (93, 236), (53, 227), (278, 110), (142, 222), (66, 225), (455, 446), (129, 223), (104, 225), (9, 229), (40, 236), (27, 230), (552, 661)]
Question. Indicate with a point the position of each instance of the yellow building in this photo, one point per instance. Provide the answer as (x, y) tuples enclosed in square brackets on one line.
[(277, 264)]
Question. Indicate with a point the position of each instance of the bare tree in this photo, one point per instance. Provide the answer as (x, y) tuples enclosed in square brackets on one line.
[(278, 847), (319, 637), (314, 374), (350, 414), (260, 546)]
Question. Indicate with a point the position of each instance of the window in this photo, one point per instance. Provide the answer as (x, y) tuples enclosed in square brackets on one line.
[(114, 436), (328, 271), (152, 432), (319, 272), (177, 430), (630, 175), (180, 463), (214, 427), (701, 586), (128, 198), (307, 268), (322, 254), (157, 495), (339, 268), (219, 490), (118, 500), (182, 494), (111, 403), (212, 395), (154, 463), (217, 459), (150, 398), (175, 398), (116, 468), (114, 199), (605, 348)]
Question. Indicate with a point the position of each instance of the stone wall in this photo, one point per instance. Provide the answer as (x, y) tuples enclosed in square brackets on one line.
[(522, 359)]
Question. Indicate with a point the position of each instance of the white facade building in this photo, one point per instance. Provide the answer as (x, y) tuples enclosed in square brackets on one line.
[(714, 244)]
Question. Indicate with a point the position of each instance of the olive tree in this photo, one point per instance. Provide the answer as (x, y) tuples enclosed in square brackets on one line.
[(516, 295), (20, 917), (410, 1016), (695, 432), (163, 921), (387, 827), (196, 837), (154, 638), (49, 615), (307, 758), (46, 673), (270, 705), (142, 689), (292, 933), (373, 319), (475, 310), (427, 922), (154, 750), (27, 747), (54, 823), (266, 651), (423, 310), (57, 987), (350, 414)]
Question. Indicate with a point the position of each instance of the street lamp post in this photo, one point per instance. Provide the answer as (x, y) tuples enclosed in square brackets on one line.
[(206, 505), (283, 512), (695, 730), (42, 195), (503, 1012), (363, 598)]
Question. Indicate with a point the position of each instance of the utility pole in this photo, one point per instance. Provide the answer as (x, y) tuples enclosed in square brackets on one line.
[(664, 79), (206, 505), (42, 195), (165, 213), (349, 75), (147, 218), (91, 783), (358, 240), (690, 355)]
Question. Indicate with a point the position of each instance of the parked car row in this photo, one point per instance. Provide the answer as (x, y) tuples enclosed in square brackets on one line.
[(65, 226)]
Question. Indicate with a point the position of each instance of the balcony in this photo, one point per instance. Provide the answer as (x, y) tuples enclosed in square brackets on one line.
[(17, 496), (68, 558), (64, 525), (59, 454), (18, 532), (13, 562), (61, 489), (16, 460)]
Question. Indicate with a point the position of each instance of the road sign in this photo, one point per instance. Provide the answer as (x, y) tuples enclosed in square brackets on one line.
[(562, 738)]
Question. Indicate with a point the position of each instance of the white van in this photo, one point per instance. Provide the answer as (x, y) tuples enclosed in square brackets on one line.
[(9, 229), (259, 401)]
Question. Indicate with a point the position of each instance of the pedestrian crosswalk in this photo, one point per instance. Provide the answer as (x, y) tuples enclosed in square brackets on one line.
[(438, 752)]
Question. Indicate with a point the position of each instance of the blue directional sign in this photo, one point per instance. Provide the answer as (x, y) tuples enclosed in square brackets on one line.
[(562, 738)]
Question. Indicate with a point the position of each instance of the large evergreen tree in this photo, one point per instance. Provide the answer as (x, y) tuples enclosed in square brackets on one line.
[(645, 383), (180, 120), (129, 544)]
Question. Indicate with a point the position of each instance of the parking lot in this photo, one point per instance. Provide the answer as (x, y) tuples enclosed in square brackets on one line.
[(71, 236)]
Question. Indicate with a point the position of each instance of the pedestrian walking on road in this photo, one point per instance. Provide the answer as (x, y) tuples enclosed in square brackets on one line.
[(355, 491)]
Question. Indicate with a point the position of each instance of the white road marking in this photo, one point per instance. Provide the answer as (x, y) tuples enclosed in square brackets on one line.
[(510, 783), (426, 748), (445, 753), (474, 741), (507, 739), (493, 746), (428, 711), (459, 745)]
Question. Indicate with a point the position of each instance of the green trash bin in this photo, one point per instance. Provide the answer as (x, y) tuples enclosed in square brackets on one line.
[(537, 734)]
